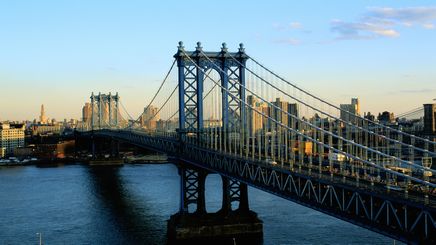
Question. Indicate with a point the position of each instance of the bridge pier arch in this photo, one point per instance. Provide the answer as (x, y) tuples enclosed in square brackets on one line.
[(230, 224), (192, 189), (114, 148), (234, 191)]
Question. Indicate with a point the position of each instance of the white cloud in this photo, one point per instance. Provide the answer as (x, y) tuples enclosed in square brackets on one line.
[(416, 91), (387, 33), (428, 26), (384, 22), (362, 30), (291, 26), (295, 25), (290, 41), (408, 16)]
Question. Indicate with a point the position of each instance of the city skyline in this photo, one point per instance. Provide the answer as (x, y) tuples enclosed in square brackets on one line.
[(380, 53)]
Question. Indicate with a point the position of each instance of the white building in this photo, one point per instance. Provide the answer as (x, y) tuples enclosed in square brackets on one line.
[(2, 152), (353, 110), (40, 129), (11, 137)]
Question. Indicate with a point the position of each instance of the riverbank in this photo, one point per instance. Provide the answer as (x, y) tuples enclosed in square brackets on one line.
[(142, 159)]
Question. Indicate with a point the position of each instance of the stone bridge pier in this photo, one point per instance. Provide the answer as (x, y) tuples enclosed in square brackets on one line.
[(227, 226)]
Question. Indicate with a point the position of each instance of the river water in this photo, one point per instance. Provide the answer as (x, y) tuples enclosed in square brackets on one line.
[(76, 204)]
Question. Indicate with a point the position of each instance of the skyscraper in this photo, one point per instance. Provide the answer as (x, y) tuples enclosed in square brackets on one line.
[(292, 110), (42, 117), (355, 102), (254, 118), (86, 113), (150, 117), (279, 111), (352, 109)]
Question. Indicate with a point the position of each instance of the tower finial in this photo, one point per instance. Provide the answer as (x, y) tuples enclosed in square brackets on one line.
[(180, 45), (224, 47), (241, 48), (199, 48)]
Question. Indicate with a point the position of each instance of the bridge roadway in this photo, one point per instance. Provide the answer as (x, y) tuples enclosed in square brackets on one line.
[(408, 217)]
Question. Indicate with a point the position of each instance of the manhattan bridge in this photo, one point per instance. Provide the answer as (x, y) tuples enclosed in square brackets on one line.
[(226, 113)]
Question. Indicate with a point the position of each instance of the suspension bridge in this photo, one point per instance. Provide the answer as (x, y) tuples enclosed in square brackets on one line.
[(225, 112)]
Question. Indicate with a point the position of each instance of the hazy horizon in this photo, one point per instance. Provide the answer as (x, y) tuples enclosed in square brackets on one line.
[(57, 53)]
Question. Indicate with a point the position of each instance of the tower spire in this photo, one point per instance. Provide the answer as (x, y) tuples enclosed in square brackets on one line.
[(42, 117)]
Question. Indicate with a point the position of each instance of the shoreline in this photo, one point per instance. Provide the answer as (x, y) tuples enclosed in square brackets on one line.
[(57, 162)]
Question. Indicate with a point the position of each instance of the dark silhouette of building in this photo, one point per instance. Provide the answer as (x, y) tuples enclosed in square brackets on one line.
[(369, 116), (429, 118), (386, 117)]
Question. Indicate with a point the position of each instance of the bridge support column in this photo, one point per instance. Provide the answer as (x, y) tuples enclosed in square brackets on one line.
[(93, 147), (192, 191), (234, 191), (224, 227), (227, 204), (114, 148), (243, 199)]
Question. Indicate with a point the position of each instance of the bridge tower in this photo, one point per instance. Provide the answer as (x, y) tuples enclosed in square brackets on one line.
[(104, 110), (192, 66)]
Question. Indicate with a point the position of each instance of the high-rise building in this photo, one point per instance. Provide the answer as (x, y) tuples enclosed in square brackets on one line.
[(254, 117), (355, 102), (292, 110), (86, 113), (429, 118), (42, 117), (279, 111), (353, 110), (266, 111), (150, 117), (11, 137)]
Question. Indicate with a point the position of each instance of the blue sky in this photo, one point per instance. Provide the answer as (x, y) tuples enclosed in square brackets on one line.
[(57, 52)]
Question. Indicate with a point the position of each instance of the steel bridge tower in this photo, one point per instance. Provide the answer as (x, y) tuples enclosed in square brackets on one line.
[(192, 66)]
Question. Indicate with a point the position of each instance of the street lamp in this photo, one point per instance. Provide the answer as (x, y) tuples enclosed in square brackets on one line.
[(40, 237)]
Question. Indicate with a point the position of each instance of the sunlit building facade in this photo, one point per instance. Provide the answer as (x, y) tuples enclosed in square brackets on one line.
[(254, 118), (150, 117), (11, 137), (353, 110), (86, 113)]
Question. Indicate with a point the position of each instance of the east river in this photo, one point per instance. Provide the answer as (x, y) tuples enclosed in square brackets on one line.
[(77, 204)]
